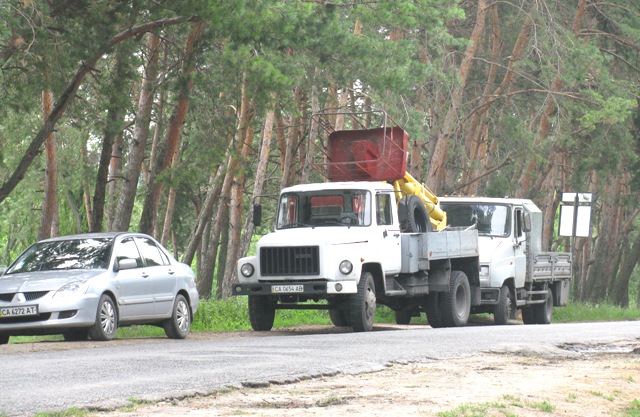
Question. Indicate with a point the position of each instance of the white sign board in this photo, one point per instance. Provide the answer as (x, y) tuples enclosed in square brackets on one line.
[(583, 222)]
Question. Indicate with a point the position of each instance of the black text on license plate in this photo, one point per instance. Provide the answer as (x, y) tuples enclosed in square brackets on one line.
[(18, 311), (287, 288)]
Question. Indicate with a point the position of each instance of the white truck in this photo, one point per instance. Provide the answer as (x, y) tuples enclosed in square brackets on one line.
[(373, 235), (514, 271)]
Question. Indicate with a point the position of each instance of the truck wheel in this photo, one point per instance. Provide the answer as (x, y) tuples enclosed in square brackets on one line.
[(527, 315), (432, 308), (502, 311), (413, 215), (362, 306), (338, 317), (456, 304), (404, 315), (542, 313), (262, 312)]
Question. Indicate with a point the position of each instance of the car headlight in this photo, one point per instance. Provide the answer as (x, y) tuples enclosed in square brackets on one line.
[(484, 271), (73, 288), (246, 270), (346, 267)]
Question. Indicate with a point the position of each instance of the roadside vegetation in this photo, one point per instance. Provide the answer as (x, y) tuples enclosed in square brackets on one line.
[(231, 315)]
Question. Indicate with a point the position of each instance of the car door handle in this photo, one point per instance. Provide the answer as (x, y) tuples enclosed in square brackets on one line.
[(171, 272), (145, 275)]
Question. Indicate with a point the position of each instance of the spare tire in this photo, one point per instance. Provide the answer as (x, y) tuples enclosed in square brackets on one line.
[(413, 215)]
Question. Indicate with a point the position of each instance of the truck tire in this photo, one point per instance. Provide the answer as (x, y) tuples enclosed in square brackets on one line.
[(502, 311), (262, 312), (362, 306), (456, 303), (338, 317), (542, 313), (527, 315), (413, 215), (432, 308), (403, 316)]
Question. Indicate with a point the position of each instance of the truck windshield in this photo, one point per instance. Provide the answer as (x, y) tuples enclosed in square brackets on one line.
[(324, 208), (490, 219)]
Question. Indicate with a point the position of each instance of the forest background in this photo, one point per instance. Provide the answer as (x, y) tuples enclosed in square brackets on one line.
[(168, 117)]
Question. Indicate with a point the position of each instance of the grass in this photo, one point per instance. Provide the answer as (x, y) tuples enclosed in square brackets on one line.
[(232, 315), (495, 409), (583, 312), (633, 410), (72, 412)]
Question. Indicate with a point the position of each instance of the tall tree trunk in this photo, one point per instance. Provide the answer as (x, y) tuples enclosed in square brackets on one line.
[(48, 225), (137, 146), (113, 129), (214, 190), (171, 204), (260, 177), (437, 169), (174, 131), (245, 139), (115, 169)]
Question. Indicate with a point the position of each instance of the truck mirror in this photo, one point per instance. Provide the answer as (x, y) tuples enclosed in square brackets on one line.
[(257, 214), (527, 222)]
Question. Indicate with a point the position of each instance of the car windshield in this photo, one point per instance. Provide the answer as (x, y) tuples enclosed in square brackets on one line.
[(324, 208), (490, 219), (64, 255)]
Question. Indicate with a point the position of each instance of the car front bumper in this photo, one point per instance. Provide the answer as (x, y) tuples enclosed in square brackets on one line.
[(54, 315)]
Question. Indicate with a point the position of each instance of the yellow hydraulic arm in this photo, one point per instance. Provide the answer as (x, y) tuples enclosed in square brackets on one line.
[(409, 185)]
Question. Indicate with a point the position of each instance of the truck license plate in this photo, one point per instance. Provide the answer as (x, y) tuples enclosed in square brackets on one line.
[(287, 288), (18, 311)]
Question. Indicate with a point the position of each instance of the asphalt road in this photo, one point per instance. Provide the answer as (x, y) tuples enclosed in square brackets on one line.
[(108, 375)]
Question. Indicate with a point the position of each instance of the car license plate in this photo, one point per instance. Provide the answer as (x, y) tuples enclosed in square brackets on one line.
[(287, 288), (18, 311)]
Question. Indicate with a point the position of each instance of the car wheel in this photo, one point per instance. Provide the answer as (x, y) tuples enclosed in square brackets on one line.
[(106, 320), (179, 325), (76, 335), (432, 308), (4, 339)]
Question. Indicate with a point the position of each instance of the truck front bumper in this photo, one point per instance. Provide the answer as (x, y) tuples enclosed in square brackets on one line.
[(313, 288)]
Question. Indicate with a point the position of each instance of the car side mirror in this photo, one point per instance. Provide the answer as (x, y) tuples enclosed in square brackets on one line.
[(126, 263), (257, 214)]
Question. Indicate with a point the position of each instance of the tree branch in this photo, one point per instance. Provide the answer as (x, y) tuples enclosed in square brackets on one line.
[(507, 161), (70, 92)]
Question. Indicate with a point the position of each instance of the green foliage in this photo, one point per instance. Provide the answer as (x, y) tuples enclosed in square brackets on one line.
[(584, 312)]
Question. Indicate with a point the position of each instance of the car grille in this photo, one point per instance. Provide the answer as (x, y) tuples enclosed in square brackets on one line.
[(295, 260), (29, 296)]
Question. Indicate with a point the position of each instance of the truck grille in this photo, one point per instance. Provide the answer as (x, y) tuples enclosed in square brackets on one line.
[(301, 260)]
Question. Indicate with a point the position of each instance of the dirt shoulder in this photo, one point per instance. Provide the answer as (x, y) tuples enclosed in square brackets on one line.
[(577, 380)]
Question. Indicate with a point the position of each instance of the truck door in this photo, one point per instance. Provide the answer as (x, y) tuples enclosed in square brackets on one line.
[(520, 247), (388, 226)]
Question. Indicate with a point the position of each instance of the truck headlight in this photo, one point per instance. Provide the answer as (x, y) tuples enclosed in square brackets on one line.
[(346, 267), (246, 270), (484, 271)]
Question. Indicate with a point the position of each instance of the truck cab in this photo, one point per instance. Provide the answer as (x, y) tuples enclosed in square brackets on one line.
[(511, 259), (326, 236)]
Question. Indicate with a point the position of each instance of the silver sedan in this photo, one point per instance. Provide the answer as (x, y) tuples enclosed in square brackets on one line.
[(87, 285)]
